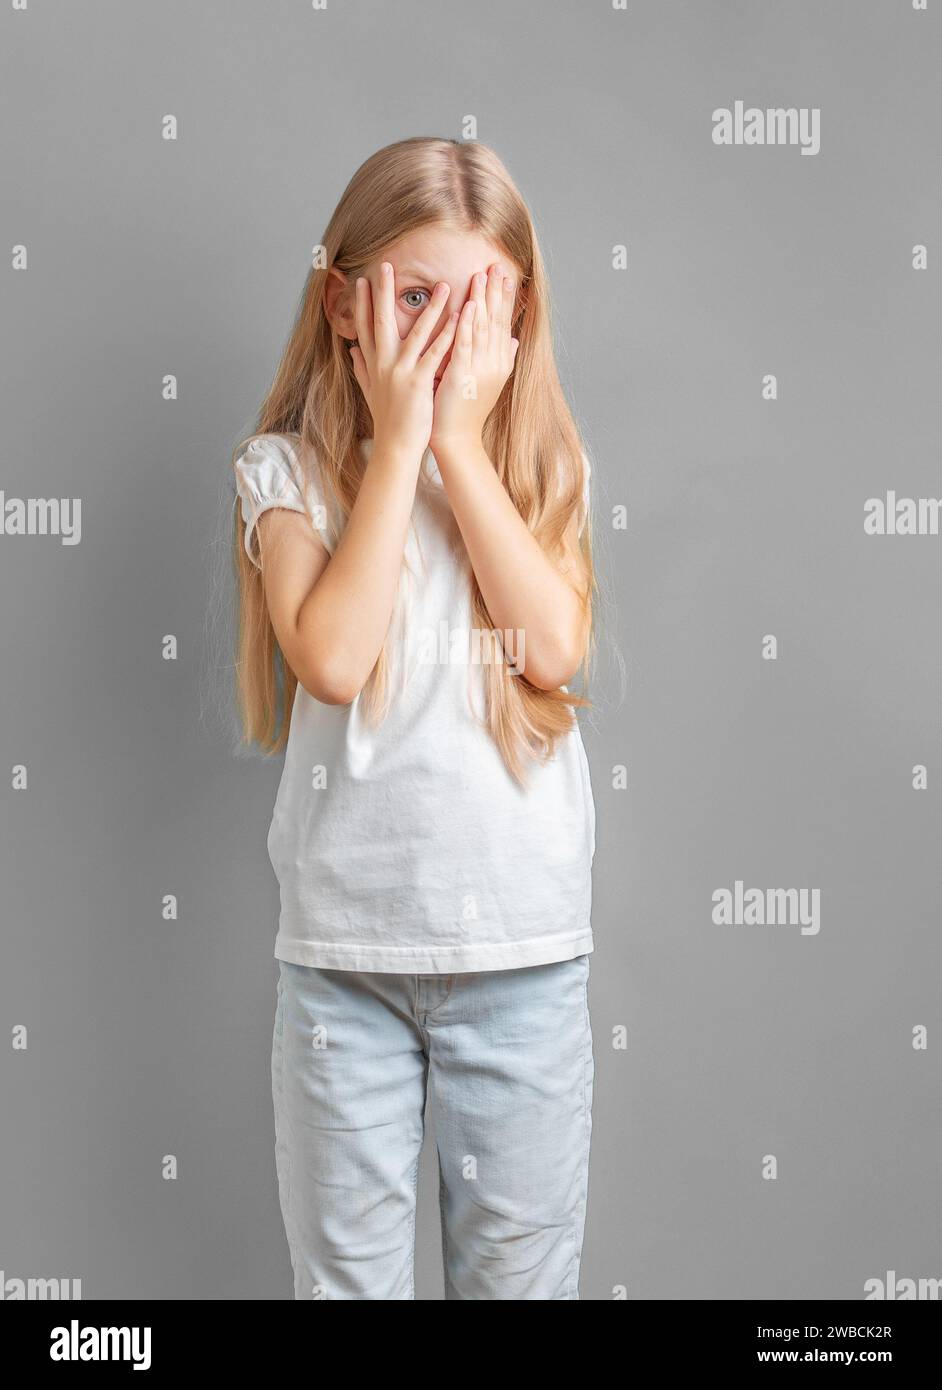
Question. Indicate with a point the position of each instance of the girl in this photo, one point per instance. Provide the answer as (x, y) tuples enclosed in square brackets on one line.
[(414, 560)]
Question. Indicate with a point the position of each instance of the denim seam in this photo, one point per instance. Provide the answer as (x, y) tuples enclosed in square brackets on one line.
[(289, 1204), (415, 1170), (581, 1200), (415, 1192), (587, 1062), (444, 1225), (587, 1048), (442, 1002)]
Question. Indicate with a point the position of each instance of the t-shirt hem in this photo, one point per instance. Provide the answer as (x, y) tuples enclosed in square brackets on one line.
[(441, 960)]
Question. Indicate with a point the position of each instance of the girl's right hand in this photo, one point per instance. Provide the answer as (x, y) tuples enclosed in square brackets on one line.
[(396, 375)]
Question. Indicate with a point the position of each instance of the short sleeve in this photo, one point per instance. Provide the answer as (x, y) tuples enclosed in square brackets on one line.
[(267, 475)]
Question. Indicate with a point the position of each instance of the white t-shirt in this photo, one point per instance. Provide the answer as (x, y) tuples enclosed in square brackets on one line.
[(406, 845)]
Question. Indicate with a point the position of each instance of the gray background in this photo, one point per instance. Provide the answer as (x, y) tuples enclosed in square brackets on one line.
[(149, 1037)]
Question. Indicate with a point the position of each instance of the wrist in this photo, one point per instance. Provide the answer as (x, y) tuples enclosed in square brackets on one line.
[(455, 446), (396, 453)]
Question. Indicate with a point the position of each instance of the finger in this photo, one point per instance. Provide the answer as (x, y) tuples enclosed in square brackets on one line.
[(494, 297), (363, 317), (440, 344), (464, 340), (461, 364), (385, 332), (479, 339), (421, 330), (507, 306)]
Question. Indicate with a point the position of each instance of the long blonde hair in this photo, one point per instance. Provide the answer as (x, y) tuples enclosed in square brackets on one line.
[(530, 435)]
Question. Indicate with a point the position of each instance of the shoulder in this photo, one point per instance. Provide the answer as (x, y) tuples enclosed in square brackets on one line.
[(266, 464), (267, 475), (280, 448), (273, 470)]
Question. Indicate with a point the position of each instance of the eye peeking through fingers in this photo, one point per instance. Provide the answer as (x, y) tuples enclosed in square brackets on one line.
[(409, 298)]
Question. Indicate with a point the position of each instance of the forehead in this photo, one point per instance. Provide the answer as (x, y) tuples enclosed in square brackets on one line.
[(444, 253)]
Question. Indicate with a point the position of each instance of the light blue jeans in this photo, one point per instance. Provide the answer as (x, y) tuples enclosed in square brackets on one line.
[(506, 1056)]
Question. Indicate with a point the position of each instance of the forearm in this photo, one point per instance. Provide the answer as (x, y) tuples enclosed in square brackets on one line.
[(345, 617), (523, 589)]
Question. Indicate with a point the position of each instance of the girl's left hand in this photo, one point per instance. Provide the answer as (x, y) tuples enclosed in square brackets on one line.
[(481, 361)]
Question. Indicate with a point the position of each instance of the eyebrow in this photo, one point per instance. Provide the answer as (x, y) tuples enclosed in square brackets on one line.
[(421, 271)]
